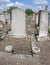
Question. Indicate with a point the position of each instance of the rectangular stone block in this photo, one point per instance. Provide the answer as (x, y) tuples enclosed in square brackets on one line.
[(43, 29), (18, 28), (2, 18)]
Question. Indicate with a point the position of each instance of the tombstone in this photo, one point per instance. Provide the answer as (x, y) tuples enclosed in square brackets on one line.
[(39, 13), (33, 16), (43, 29), (8, 18), (18, 28), (37, 19), (2, 18)]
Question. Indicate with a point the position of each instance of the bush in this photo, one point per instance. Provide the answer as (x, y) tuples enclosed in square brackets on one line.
[(49, 30), (29, 12)]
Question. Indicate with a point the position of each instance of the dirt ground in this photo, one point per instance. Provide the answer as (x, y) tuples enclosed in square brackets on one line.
[(43, 59), (20, 45)]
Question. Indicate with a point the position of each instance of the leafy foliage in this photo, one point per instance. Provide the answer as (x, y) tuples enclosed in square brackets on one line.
[(29, 12), (49, 29), (4, 11), (10, 9)]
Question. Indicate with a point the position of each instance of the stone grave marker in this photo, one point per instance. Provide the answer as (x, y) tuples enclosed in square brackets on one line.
[(43, 29), (18, 28)]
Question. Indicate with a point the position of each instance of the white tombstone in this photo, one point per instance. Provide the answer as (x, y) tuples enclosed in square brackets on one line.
[(43, 24), (18, 28), (34, 16), (43, 29), (8, 18), (37, 19), (2, 18)]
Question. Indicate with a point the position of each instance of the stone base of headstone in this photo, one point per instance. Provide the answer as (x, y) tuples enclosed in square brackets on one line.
[(18, 35), (43, 38)]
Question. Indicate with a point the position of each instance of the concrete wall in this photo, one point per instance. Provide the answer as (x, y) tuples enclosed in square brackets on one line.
[(18, 23)]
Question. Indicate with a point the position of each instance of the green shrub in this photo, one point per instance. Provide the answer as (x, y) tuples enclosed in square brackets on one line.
[(48, 29)]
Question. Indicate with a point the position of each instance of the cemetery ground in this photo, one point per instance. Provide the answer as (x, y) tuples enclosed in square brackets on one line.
[(23, 46)]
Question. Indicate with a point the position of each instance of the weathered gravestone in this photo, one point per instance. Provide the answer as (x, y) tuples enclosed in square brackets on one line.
[(37, 19), (2, 18), (43, 29), (8, 18), (5, 17), (18, 28)]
